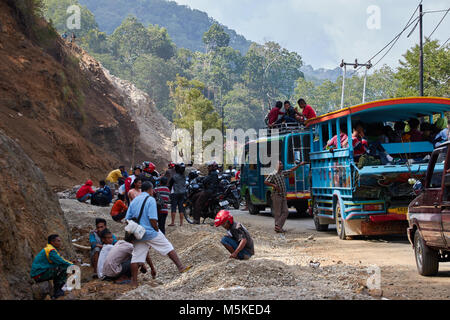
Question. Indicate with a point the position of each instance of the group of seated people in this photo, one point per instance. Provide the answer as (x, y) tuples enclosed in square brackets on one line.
[(367, 139), (290, 115)]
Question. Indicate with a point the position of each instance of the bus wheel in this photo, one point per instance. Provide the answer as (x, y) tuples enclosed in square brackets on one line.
[(340, 223), (319, 227), (252, 209)]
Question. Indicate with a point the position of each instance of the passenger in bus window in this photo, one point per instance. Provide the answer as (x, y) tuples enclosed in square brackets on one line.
[(399, 130), (442, 136), (332, 143), (414, 133), (360, 144)]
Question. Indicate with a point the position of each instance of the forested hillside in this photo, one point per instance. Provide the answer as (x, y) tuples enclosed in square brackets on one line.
[(215, 76), (185, 25)]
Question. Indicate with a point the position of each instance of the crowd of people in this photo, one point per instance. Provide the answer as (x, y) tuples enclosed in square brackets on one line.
[(367, 139), (290, 114), (144, 197)]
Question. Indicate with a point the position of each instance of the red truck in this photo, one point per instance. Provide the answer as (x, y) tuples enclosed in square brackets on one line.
[(429, 214)]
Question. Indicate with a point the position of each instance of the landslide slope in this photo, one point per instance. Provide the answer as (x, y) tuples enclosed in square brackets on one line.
[(58, 105), (29, 213)]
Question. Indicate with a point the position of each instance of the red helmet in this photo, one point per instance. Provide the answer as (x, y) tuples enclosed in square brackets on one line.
[(171, 165), (149, 166), (222, 217)]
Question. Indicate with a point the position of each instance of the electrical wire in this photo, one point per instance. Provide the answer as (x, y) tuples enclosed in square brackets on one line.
[(429, 37), (396, 37), (444, 43)]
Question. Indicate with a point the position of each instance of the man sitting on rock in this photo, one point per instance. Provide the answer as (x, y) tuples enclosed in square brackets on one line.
[(85, 192), (102, 196), (238, 241), (96, 242), (49, 265)]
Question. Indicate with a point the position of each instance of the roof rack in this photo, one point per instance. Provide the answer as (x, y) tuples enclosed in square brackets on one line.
[(286, 128)]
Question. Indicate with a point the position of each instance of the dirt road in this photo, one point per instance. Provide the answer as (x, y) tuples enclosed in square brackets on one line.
[(303, 264), (394, 256)]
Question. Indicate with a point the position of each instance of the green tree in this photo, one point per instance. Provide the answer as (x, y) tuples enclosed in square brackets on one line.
[(151, 74), (241, 110), (191, 105), (436, 71), (215, 38)]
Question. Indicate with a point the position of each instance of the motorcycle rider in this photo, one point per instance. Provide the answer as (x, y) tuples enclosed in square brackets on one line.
[(211, 185), (149, 173)]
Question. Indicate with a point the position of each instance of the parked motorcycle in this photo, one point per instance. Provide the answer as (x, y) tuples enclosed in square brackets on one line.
[(212, 206)]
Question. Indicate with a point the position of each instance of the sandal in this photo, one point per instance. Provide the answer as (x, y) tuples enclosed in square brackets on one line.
[(124, 282), (186, 269)]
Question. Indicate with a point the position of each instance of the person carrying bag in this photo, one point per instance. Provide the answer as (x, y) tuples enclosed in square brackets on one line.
[(133, 227)]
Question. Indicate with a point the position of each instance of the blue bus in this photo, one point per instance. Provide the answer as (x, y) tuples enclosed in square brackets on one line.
[(293, 144), (370, 199)]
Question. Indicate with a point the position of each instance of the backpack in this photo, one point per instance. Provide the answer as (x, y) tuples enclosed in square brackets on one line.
[(99, 199)]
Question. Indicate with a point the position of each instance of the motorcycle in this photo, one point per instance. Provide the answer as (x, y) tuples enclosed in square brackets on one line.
[(216, 203), (231, 193)]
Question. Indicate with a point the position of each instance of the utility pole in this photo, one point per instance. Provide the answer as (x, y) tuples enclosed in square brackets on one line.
[(355, 65), (421, 51)]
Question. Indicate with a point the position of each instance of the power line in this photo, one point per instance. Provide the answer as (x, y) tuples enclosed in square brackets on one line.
[(435, 11), (408, 24), (444, 43), (429, 37)]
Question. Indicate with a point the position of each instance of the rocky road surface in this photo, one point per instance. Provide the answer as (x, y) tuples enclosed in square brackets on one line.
[(302, 264)]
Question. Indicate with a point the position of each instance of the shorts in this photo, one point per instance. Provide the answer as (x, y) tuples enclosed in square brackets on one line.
[(126, 270), (93, 251), (176, 200), (159, 243), (234, 244)]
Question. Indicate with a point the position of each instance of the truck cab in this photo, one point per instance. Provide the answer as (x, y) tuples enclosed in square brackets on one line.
[(429, 214)]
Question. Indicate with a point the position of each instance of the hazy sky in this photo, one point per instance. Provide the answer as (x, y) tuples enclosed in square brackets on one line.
[(325, 31)]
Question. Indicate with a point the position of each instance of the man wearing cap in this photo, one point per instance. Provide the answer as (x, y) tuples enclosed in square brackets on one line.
[(238, 240), (153, 236)]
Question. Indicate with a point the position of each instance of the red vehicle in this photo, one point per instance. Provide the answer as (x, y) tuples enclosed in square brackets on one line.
[(429, 214)]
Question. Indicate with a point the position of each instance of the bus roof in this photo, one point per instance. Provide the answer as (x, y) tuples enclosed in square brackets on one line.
[(277, 137), (399, 109)]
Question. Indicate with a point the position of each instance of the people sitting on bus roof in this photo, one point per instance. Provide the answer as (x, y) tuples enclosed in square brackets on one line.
[(274, 113), (289, 113), (307, 111)]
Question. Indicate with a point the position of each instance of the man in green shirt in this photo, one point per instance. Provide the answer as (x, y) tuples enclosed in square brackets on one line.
[(49, 265)]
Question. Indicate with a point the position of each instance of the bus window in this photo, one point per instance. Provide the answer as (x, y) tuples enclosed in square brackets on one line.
[(292, 148), (306, 147)]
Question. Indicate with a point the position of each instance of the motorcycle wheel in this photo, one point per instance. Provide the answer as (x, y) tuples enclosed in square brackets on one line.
[(189, 214), (236, 204)]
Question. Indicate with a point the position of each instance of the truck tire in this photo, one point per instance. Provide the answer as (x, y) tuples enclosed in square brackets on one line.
[(252, 209), (319, 227), (340, 222), (427, 259)]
